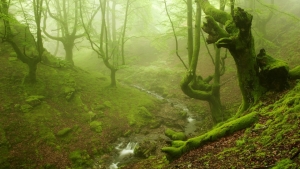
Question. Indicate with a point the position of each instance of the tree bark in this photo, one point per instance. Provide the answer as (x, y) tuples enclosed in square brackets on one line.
[(195, 86), (238, 39), (68, 46), (113, 82)]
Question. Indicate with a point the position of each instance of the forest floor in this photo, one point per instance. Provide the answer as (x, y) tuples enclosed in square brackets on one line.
[(273, 141), (71, 118)]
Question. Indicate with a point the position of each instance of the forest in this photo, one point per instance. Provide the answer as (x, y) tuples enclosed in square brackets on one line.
[(143, 84)]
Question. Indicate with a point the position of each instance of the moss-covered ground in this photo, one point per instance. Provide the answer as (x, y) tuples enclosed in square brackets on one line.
[(66, 119), (273, 141)]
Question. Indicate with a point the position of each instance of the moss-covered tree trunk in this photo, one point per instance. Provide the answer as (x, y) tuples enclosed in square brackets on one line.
[(113, 82), (238, 39), (32, 66), (195, 86), (180, 147), (68, 46), (30, 61)]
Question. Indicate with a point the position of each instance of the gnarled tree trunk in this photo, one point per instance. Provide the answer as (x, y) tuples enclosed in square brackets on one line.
[(238, 39)]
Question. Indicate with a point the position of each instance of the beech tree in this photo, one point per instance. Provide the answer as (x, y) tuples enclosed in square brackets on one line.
[(237, 37), (66, 15), (23, 45), (109, 44), (193, 85)]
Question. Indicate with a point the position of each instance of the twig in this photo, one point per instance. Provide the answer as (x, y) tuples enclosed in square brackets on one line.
[(175, 36)]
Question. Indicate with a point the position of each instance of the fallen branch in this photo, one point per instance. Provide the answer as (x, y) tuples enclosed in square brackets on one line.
[(180, 147)]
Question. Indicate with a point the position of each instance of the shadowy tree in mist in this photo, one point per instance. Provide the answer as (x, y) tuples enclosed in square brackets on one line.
[(106, 43), (66, 14), (28, 55)]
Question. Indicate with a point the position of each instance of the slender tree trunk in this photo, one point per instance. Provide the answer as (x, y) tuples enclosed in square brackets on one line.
[(216, 109), (124, 33), (68, 46), (190, 30), (113, 82), (31, 77)]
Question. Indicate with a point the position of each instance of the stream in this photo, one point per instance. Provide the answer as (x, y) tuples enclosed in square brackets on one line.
[(124, 147)]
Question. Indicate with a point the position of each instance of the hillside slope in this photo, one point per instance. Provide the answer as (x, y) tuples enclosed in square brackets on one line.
[(272, 142), (68, 118)]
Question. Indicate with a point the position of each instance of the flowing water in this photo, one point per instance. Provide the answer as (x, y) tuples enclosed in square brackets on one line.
[(125, 148), (124, 153)]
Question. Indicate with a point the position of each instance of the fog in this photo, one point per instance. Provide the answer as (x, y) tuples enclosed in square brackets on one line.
[(135, 83)]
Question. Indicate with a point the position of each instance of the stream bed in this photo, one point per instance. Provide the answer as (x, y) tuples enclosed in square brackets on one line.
[(123, 152)]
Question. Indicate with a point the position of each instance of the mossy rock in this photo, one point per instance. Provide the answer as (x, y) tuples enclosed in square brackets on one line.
[(49, 137), (69, 92), (80, 159), (175, 135), (96, 126), (273, 72), (107, 104), (145, 149), (34, 100), (25, 108), (156, 124), (144, 112), (64, 132), (99, 107)]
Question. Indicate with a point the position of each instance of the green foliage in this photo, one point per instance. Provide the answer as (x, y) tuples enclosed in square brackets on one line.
[(80, 159), (285, 164), (96, 126), (240, 143)]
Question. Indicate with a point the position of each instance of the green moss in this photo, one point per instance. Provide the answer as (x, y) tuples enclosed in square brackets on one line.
[(178, 143), (285, 164), (144, 112), (80, 159), (258, 126), (49, 137), (25, 108), (175, 135), (108, 104), (64, 132), (226, 129), (265, 140), (240, 143), (96, 126), (295, 73)]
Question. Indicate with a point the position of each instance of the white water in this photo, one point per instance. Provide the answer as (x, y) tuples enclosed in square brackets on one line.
[(126, 152)]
